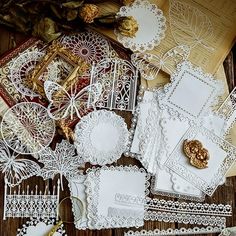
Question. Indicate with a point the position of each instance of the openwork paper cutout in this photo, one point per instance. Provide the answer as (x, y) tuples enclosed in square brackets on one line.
[(40, 227), (31, 203), (88, 45), (130, 179), (63, 161), (101, 137), (15, 170), (208, 179), (151, 24), (65, 104), (150, 65), (26, 128), (170, 231), (119, 83), (189, 85), (195, 24)]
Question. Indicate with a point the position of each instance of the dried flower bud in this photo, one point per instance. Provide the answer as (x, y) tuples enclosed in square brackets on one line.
[(88, 12), (127, 26), (46, 29), (126, 2)]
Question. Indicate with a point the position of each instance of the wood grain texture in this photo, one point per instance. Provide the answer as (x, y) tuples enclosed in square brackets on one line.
[(225, 194)]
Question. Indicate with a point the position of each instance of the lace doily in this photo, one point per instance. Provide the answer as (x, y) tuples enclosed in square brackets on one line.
[(101, 137), (88, 45), (26, 128), (170, 231), (40, 227), (93, 183), (151, 23), (23, 65)]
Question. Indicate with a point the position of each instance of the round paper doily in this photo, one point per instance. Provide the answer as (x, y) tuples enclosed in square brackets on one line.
[(26, 128), (151, 22), (88, 45), (101, 137)]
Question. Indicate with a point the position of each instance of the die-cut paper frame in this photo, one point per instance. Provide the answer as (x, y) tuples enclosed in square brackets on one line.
[(180, 165), (57, 50)]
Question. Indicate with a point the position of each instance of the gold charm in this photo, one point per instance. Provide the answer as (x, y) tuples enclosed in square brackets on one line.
[(197, 154), (55, 228)]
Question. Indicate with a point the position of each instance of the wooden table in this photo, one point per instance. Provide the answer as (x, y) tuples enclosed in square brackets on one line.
[(225, 194)]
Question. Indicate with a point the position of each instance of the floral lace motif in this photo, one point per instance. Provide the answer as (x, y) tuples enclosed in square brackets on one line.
[(31, 204), (33, 225), (181, 231), (147, 37), (26, 128), (86, 146), (96, 221)]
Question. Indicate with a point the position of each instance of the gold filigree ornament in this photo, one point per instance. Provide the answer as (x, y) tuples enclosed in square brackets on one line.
[(197, 154), (75, 68)]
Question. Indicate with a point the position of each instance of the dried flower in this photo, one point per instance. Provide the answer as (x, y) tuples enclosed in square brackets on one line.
[(46, 29), (88, 12), (71, 14), (126, 2), (127, 26)]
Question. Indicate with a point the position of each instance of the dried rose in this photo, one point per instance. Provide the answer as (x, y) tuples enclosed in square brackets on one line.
[(88, 12), (127, 26), (46, 29), (126, 2)]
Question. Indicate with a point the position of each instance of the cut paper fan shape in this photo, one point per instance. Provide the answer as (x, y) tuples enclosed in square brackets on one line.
[(63, 161), (15, 170), (65, 104), (150, 65), (189, 25)]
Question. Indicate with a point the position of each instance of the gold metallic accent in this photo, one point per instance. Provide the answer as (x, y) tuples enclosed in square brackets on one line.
[(197, 154), (57, 50)]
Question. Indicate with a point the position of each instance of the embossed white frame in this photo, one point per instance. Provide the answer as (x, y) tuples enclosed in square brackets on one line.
[(191, 92), (207, 180)]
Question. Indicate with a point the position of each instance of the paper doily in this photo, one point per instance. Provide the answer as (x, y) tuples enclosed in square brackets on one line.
[(40, 227), (23, 65), (90, 46), (151, 22), (26, 128), (101, 137)]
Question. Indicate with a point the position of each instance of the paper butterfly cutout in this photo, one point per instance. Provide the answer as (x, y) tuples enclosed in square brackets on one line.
[(64, 104), (63, 161), (15, 170), (150, 65)]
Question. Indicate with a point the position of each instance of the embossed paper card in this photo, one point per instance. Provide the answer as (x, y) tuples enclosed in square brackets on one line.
[(190, 93), (221, 155)]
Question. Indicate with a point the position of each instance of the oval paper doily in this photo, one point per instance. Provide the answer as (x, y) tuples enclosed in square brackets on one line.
[(90, 46), (40, 227), (26, 128), (101, 137), (151, 22)]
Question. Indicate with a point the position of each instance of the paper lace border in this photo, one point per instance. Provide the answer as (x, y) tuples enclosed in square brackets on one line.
[(92, 205)]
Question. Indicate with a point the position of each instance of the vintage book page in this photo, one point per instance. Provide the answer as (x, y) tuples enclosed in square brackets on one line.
[(214, 47)]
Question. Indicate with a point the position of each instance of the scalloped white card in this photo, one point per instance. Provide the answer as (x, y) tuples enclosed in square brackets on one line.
[(102, 186), (222, 156), (191, 92)]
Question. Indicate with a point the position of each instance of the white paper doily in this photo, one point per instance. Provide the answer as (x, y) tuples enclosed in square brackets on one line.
[(26, 128), (88, 45), (23, 65), (151, 23), (101, 137), (40, 227)]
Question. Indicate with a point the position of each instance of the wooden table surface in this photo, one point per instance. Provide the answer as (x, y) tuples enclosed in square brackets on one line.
[(225, 194)]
